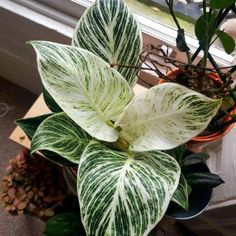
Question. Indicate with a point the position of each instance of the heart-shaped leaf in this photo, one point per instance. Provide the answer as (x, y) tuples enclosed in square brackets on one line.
[(84, 86), (109, 30), (165, 116), (124, 193), (181, 194), (61, 135)]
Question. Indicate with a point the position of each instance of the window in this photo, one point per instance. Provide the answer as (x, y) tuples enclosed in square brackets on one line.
[(55, 20)]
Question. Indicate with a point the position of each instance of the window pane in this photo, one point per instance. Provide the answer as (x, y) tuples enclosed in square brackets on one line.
[(156, 11)]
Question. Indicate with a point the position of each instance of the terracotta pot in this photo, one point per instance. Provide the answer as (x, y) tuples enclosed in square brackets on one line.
[(214, 136)]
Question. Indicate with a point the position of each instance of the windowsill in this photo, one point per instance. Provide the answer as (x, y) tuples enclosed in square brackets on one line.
[(24, 20)]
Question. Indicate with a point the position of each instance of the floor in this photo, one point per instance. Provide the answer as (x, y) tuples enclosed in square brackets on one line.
[(17, 101)]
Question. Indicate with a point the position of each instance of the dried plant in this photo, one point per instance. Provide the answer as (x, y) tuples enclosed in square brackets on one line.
[(30, 186)]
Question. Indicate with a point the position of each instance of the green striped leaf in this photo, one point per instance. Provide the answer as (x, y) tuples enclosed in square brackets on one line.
[(203, 180), (61, 135), (165, 116), (124, 193), (180, 195), (109, 29), (30, 125), (84, 86)]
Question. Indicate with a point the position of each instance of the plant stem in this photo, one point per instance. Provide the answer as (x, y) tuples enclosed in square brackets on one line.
[(206, 40)]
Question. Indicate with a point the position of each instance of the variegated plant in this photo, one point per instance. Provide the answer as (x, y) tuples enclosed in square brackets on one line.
[(125, 183)]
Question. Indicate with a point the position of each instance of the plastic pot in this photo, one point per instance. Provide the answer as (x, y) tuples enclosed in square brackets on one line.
[(199, 199)]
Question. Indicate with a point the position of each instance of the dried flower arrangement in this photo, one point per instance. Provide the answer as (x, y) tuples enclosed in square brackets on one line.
[(30, 186)]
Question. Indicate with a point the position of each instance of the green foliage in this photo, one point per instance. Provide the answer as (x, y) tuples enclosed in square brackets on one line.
[(30, 125), (204, 26), (178, 152), (50, 102), (124, 182), (64, 224), (195, 158), (203, 180), (221, 4), (182, 192), (59, 134), (227, 42)]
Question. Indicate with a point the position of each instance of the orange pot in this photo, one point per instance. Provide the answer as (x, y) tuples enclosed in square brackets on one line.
[(200, 140)]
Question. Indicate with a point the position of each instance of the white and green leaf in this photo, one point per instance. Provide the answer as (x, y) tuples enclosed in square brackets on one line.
[(84, 86), (165, 116), (61, 135), (181, 194), (109, 30), (124, 193)]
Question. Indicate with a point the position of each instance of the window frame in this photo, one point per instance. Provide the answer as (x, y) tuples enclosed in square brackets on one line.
[(153, 31)]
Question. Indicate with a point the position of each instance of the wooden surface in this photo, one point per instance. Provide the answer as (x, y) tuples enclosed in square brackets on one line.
[(38, 108)]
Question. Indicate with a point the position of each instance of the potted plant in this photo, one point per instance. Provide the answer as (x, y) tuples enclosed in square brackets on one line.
[(204, 76), (125, 181)]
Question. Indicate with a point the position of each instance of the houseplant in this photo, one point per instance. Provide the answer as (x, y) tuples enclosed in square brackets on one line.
[(204, 76), (125, 182)]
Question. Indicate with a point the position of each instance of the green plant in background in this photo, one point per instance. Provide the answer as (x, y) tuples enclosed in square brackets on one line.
[(194, 73), (125, 182)]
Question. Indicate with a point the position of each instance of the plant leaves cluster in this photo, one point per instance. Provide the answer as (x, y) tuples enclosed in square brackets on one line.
[(124, 181)]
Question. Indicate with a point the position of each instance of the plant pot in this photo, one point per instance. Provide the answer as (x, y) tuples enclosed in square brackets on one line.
[(204, 140), (199, 200)]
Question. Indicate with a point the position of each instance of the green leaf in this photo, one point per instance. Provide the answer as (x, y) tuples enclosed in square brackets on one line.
[(109, 30), (61, 135), (221, 4), (203, 179), (181, 194), (227, 42), (177, 152), (84, 86), (165, 116), (64, 224), (51, 104), (204, 25), (124, 193), (195, 158), (30, 125)]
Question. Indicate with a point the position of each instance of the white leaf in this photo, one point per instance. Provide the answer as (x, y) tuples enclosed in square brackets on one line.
[(84, 86), (109, 30), (166, 116), (122, 193)]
